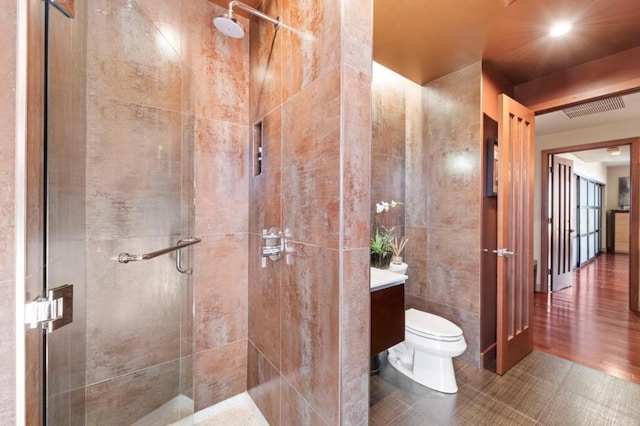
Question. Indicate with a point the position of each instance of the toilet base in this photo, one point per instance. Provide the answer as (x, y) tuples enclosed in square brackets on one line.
[(429, 370)]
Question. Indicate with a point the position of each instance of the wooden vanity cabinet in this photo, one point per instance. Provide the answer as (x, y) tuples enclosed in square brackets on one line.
[(387, 318)]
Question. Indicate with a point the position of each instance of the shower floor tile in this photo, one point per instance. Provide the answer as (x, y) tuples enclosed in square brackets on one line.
[(237, 410)]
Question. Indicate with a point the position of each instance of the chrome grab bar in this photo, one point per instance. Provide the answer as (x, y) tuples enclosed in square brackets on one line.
[(186, 242)]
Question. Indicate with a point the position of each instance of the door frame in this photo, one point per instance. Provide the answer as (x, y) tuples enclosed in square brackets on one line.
[(634, 252)]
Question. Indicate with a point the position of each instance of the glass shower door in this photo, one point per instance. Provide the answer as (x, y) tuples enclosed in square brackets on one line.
[(119, 178)]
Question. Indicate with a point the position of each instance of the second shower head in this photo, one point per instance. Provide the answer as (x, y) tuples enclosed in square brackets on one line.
[(229, 25)]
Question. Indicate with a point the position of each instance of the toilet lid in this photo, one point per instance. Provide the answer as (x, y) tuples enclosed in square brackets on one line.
[(431, 326)]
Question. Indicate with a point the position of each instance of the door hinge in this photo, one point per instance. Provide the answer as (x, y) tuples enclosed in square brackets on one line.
[(550, 220), (52, 312)]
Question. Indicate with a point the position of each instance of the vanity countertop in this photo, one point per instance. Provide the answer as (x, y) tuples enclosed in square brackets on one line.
[(383, 278)]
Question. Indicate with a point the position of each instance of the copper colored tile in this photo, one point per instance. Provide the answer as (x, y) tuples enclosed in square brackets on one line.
[(388, 174), (311, 163), (455, 156), (357, 35), (219, 373), (451, 184), (124, 141), (147, 72), (416, 302), (218, 63), (265, 189), (313, 47), (114, 302), (417, 159), (221, 177), (452, 269), (220, 291), (125, 399), (356, 192), (7, 353), (297, 411), (167, 18), (354, 337), (265, 92), (265, 297), (310, 313), (415, 256), (7, 141), (263, 384)]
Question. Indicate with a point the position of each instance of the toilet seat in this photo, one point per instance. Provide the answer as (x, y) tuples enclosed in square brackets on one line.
[(431, 326)]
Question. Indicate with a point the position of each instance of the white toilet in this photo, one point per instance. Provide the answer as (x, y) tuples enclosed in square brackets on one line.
[(426, 354)]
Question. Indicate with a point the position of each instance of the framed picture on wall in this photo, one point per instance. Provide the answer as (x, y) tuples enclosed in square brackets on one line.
[(491, 151), (624, 191)]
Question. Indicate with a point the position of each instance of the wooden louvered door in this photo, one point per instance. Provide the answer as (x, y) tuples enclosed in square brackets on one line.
[(515, 233)]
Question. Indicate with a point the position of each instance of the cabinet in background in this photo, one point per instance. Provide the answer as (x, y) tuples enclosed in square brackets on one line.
[(618, 231)]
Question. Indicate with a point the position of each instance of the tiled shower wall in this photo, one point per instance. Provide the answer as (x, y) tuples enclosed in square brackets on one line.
[(137, 120), (220, 76), (441, 124), (161, 78), (308, 312)]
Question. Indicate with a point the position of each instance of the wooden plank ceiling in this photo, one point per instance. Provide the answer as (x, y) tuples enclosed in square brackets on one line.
[(426, 39)]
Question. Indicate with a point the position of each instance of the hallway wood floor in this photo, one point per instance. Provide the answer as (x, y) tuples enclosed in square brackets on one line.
[(590, 322)]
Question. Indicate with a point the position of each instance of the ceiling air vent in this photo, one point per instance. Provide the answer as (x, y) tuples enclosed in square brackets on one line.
[(595, 107)]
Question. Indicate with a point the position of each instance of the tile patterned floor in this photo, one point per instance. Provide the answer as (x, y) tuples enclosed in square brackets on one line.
[(541, 390)]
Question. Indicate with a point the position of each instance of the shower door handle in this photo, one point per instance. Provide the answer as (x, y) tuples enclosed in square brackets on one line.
[(185, 242)]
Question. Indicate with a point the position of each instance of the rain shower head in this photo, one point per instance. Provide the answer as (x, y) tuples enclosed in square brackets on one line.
[(229, 25)]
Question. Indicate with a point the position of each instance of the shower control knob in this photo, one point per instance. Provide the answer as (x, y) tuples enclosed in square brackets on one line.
[(274, 243)]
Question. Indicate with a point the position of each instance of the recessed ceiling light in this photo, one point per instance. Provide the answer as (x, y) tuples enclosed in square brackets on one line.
[(614, 150), (559, 29)]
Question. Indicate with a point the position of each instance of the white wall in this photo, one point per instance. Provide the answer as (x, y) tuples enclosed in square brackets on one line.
[(620, 130), (593, 171)]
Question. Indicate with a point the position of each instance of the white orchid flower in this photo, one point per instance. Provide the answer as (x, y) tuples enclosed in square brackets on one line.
[(382, 206)]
